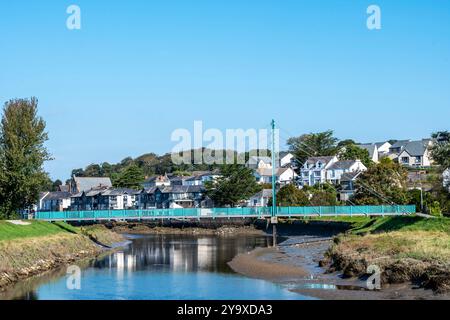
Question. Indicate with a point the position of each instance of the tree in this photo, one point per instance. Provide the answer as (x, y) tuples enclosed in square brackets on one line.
[(440, 151), (344, 143), (56, 184), (131, 177), (236, 184), (322, 198), (324, 194), (353, 152), (441, 136), (383, 183), (291, 196), (313, 144), (22, 155)]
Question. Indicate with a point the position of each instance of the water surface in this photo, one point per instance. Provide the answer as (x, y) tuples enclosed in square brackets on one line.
[(160, 267)]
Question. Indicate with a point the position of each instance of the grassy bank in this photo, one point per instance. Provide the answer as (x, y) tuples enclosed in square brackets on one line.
[(27, 250), (9, 231), (405, 248)]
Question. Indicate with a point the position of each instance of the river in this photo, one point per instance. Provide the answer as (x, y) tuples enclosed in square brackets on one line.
[(159, 267)]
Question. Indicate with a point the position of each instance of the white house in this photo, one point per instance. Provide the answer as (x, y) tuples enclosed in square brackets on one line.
[(260, 199), (55, 201), (383, 148), (373, 151), (255, 162), (314, 170), (446, 179), (337, 169), (285, 159), (284, 175), (117, 199), (328, 169), (416, 154)]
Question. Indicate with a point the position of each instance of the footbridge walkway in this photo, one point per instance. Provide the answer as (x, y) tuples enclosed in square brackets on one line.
[(213, 213)]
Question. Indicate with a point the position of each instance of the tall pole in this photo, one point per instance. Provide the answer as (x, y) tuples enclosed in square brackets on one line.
[(274, 174), (274, 220)]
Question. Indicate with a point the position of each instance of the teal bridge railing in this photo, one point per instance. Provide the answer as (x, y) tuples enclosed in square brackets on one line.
[(246, 212)]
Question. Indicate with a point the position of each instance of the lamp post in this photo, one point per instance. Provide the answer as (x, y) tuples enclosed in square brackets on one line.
[(274, 219)]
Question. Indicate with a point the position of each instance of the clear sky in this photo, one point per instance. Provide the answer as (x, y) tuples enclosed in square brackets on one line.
[(137, 70)]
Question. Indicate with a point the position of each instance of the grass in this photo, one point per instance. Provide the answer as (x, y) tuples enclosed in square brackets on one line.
[(9, 231), (403, 224), (431, 246), (365, 225)]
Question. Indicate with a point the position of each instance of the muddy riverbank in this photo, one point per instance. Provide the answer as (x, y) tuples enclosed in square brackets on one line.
[(219, 228), (299, 259)]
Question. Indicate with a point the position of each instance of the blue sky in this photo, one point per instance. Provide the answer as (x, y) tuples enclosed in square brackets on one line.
[(137, 70)]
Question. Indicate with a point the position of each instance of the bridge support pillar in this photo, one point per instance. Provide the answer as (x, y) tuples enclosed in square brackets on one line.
[(274, 222)]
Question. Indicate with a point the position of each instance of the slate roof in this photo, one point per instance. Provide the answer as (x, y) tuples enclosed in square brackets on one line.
[(88, 183), (314, 160), (369, 147), (265, 172), (118, 192), (416, 148), (343, 165), (58, 195), (399, 144)]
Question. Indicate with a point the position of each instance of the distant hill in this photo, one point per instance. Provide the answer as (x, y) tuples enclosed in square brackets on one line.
[(151, 164)]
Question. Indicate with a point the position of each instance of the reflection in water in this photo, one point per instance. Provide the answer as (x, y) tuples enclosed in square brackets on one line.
[(161, 267), (180, 253)]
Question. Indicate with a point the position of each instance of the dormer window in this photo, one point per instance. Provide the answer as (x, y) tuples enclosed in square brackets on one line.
[(319, 165)]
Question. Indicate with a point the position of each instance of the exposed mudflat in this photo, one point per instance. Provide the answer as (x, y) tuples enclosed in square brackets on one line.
[(295, 263)]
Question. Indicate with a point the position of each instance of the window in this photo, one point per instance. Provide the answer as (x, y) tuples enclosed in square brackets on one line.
[(418, 159), (317, 173), (405, 160), (319, 164)]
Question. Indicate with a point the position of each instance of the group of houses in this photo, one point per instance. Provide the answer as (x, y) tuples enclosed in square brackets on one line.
[(172, 191), (406, 152), (163, 192)]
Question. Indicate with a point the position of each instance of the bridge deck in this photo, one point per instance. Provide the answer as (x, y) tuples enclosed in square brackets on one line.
[(213, 213)]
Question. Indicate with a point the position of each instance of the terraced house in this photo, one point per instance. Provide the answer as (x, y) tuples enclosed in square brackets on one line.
[(318, 170), (102, 198), (173, 197)]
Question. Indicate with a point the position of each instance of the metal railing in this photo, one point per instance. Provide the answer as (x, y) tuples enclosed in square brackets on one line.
[(246, 212)]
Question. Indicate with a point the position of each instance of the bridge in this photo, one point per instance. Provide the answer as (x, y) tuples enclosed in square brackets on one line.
[(216, 213)]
